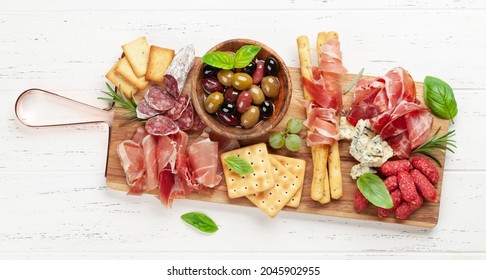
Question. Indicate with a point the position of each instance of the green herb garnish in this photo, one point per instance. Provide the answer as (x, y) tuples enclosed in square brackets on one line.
[(354, 81), (121, 101), (238, 165), (373, 188), (437, 144), (440, 99), (228, 61), (200, 221)]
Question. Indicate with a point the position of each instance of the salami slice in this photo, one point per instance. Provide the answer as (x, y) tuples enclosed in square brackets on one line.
[(145, 111), (180, 105), (161, 126), (170, 86), (198, 124), (186, 120), (159, 99), (181, 65)]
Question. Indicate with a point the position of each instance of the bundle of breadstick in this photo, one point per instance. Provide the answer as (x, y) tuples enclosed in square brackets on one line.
[(323, 101)]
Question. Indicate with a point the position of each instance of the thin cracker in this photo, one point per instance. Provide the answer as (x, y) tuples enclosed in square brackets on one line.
[(297, 168), (127, 88), (260, 180), (159, 60), (124, 69), (137, 53), (275, 199)]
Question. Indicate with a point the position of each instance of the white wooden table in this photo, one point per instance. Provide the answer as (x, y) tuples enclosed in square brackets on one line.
[(53, 198)]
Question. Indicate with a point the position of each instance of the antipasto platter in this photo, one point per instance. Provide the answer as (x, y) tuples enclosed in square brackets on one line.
[(300, 162)]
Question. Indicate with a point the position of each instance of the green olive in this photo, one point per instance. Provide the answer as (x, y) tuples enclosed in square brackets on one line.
[(212, 102), (257, 96), (242, 81), (270, 86), (250, 117), (225, 77)]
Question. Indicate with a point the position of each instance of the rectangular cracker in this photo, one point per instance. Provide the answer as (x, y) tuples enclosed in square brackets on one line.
[(159, 60), (137, 53), (297, 168), (127, 88), (274, 200), (124, 69), (260, 180)]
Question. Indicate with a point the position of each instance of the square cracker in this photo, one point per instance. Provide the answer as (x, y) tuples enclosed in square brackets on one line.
[(274, 200), (297, 168), (159, 60), (124, 69), (260, 180), (127, 88), (137, 53)]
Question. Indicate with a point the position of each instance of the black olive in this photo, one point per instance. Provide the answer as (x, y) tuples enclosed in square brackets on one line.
[(227, 108), (250, 68), (266, 109), (209, 71), (271, 66)]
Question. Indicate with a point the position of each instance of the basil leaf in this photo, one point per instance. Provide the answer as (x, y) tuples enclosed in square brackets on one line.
[(245, 55), (220, 60), (440, 99), (200, 221), (373, 188), (238, 165)]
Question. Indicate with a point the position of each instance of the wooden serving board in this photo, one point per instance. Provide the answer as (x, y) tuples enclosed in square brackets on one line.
[(426, 216)]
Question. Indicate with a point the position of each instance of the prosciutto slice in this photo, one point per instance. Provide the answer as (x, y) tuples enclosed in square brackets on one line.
[(149, 144), (323, 127), (204, 160), (390, 103), (133, 163)]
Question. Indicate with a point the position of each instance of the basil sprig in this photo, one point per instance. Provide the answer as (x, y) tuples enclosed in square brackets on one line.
[(440, 99), (200, 221), (227, 61), (373, 188), (238, 165)]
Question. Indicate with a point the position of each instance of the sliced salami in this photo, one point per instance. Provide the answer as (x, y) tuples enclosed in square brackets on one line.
[(145, 111), (181, 65), (180, 105), (170, 86), (161, 126), (186, 120), (198, 124), (159, 99)]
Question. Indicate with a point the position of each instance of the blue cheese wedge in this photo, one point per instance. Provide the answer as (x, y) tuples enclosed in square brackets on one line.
[(367, 148)]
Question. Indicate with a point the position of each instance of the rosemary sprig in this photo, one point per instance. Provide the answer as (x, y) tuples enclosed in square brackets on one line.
[(437, 144), (121, 101), (354, 81)]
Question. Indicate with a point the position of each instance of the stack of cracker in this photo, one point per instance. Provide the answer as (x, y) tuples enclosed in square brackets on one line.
[(276, 182), (140, 64)]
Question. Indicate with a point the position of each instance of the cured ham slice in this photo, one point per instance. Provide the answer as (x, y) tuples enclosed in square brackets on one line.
[(166, 153), (203, 160), (331, 58), (139, 134), (133, 163), (166, 184), (149, 144), (390, 103), (323, 128)]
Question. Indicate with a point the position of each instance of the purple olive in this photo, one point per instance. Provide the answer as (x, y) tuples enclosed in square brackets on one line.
[(231, 94), (229, 119), (211, 85), (244, 101)]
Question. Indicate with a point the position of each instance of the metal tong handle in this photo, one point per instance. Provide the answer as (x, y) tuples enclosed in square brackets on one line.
[(32, 104)]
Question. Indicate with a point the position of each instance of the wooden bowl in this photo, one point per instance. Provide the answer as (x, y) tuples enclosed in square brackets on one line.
[(281, 103)]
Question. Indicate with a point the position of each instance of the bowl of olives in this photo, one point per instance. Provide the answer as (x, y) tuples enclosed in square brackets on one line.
[(241, 89)]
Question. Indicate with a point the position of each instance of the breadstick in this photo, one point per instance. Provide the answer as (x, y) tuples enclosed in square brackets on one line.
[(334, 160), (319, 192)]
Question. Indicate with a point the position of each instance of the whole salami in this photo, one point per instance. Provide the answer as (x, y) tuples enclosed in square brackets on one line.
[(159, 99), (181, 65), (161, 126)]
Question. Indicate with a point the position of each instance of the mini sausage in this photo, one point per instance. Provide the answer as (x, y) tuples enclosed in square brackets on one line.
[(397, 199), (393, 167), (427, 168), (407, 187), (423, 185), (391, 183), (360, 202), (406, 208)]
